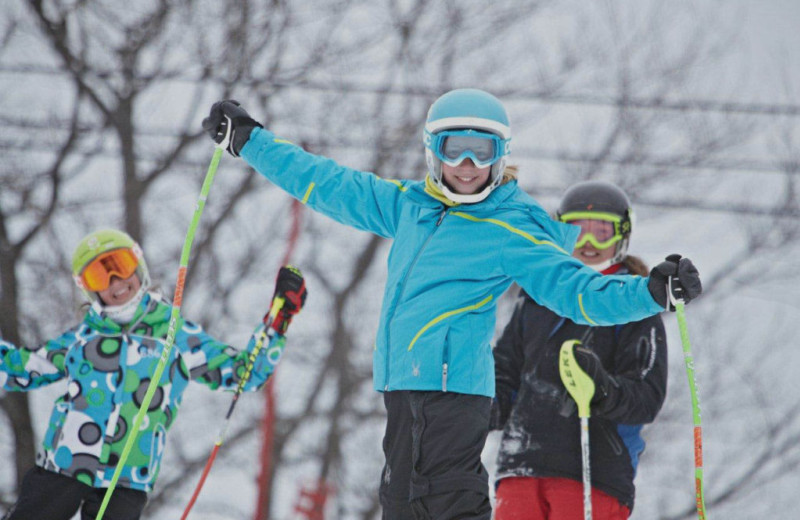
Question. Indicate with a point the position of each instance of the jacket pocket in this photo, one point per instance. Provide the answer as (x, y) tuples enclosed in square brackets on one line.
[(613, 439), (446, 315)]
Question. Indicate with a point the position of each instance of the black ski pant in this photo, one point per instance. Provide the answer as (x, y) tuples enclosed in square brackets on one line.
[(433, 446), (48, 495)]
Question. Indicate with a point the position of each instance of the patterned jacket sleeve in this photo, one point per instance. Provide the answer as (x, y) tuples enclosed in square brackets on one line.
[(217, 364), (24, 368), (640, 370)]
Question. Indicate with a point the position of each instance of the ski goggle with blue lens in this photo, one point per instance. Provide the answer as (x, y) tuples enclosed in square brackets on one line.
[(602, 230), (453, 146)]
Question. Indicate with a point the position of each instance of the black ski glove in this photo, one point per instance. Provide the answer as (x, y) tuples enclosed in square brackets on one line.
[(606, 388), (674, 279), (290, 286), (229, 125)]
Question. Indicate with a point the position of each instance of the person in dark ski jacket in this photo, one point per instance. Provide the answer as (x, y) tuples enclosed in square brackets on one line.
[(539, 463), (460, 237), (107, 361)]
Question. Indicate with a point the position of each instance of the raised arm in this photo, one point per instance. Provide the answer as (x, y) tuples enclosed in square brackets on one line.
[(359, 199), (218, 365)]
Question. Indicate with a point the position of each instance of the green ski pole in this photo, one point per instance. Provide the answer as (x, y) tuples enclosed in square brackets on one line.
[(173, 324), (698, 428), (581, 387)]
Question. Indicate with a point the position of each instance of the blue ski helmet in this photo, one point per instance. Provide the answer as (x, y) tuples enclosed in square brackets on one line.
[(467, 109)]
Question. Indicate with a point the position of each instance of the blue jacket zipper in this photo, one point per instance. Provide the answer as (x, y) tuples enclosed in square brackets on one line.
[(402, 289), (445, 363)]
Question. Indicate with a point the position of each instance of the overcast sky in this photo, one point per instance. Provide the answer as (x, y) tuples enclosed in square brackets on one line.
[(771, 32)]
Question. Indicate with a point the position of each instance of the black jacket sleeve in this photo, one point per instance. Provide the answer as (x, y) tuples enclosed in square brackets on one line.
[(509, 358), (640, 371)]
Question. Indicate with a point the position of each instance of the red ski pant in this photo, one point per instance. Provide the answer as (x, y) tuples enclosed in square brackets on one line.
[(526, 498)]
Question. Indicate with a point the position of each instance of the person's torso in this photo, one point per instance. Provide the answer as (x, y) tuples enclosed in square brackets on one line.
[(108, 375), (542, 435), (444, 279)]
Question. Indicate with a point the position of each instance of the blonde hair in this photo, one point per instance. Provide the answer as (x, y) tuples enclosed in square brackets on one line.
[(510, 174)]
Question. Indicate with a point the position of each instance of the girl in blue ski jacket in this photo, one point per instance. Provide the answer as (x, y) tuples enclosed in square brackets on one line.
[(539, 467), (461, 237), (107, 361)]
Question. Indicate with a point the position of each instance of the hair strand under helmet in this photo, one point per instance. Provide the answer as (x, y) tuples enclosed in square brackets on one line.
[(596, 199), (102, 241), (467, 109)]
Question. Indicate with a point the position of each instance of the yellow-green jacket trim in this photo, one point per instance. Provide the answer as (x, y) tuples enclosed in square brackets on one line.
[(446, 315)]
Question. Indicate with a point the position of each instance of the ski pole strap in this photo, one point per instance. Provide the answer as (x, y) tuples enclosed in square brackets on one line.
[(277, 305), (680, 312), (173, 325), (578, 383), (251, 361)]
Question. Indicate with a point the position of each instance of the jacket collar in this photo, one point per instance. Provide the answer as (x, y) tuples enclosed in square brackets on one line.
[(434, 191), (618, 268), (105, 325), (426, 194), (509, 196)]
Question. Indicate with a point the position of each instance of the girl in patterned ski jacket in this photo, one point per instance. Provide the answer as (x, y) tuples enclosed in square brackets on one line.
[(108, 360), (539, 463)]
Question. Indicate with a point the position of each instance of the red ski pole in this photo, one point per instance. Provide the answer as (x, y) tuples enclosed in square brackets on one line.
[(277, 304)]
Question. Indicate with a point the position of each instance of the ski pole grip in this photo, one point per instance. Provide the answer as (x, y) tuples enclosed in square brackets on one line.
[(223, 145), (277, 305), (674, 300), (577, 382)]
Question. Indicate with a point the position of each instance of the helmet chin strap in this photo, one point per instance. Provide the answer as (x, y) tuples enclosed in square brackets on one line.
[(124, 313), (491, 183), (467, 199)]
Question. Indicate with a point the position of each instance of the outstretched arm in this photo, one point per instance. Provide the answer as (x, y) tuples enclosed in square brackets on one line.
[(23, 368), (216, 364), (567, 287), (359, 199)]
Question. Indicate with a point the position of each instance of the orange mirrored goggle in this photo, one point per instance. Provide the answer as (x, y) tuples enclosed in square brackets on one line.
[(120, 262)]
